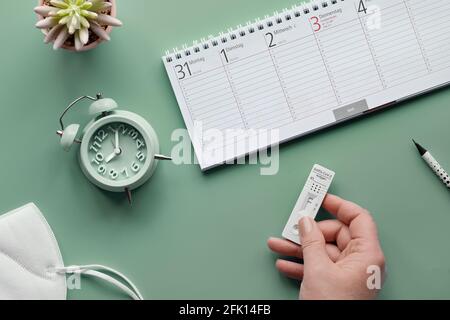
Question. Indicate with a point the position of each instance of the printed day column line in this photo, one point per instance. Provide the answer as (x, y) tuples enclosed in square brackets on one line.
[(244, 122), (326, 66), (416, 34), (281, 83), (194, 139), (375, 61), (185, 100)]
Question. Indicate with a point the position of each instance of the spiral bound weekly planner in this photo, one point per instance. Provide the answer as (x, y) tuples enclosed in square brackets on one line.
[(307, 68)]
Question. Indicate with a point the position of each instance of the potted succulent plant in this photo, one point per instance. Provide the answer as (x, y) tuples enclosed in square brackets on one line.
[(78, 25)]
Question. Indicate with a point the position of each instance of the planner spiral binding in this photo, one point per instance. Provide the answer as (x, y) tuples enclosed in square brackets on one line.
[(287, 14)]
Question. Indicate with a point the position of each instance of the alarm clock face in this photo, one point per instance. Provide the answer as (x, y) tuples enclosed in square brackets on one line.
[(118, 151)]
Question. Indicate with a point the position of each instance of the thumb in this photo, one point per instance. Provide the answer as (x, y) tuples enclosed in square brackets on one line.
[(313, 243)]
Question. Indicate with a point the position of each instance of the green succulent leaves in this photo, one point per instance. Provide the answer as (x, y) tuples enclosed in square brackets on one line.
[(65, 18)]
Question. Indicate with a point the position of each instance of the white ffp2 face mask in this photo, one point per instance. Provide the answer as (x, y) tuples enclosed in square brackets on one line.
[(31, 265)]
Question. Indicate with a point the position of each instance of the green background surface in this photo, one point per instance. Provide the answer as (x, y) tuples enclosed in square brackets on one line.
[(196, 235)]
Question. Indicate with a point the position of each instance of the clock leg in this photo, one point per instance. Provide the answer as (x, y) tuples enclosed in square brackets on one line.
[(128, 193), (161, 157)]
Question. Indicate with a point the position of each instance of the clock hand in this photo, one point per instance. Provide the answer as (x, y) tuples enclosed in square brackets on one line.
[(111, 157), (117, 148)]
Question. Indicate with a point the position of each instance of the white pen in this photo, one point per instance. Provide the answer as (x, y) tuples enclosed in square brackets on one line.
[(433, 164)]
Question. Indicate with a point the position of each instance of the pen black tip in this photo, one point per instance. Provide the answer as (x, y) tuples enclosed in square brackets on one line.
[(421, 149)]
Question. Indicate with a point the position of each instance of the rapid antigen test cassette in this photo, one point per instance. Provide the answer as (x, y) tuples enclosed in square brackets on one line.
[(310, 200)]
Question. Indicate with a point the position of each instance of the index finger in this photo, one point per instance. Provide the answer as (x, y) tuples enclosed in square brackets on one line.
[(358, 219)]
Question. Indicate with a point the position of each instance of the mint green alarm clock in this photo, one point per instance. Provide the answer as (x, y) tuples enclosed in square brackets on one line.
[(119, 150)]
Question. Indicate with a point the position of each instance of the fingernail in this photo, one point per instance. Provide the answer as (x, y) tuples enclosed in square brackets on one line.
[(305, 225)]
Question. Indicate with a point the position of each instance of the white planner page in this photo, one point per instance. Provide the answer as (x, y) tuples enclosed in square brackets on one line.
[(305, 69)]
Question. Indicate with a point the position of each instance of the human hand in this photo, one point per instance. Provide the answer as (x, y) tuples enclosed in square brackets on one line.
[(339, 255)]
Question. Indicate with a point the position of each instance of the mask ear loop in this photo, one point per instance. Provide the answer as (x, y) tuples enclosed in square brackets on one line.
[(95, 270)]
